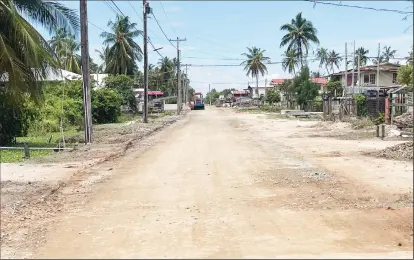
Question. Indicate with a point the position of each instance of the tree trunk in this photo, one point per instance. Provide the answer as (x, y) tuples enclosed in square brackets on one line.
[(257, 85)]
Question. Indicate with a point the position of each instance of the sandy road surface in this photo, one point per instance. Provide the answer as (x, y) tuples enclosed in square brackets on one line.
[(213, 189)]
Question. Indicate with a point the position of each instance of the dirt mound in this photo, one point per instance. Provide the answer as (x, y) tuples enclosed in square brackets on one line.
[(402, 151), (404, 121)]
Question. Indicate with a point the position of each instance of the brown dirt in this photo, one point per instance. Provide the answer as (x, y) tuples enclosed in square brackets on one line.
[(402, 151), (227, 185)]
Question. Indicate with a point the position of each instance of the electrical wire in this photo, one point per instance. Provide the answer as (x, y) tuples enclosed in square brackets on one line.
[(166, 37), (117, 8), (162, 6), (359, 7)]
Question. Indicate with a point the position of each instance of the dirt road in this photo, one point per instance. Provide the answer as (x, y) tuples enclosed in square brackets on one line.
[(213, 188)]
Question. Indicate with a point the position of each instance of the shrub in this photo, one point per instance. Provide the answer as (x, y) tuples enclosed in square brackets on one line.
[(123, 84), (361, 102), (273, 96), (106, 106)]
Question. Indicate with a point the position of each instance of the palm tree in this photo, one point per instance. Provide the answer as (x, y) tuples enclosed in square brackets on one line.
[(103, 55), (25, 56), (254, 64), (333, 59), (291, 61), (410, 56), (381, 60), (322, 55), (388, 54), (123, 52), (57, 41), (300, 33), (68, 54), (362, 54)]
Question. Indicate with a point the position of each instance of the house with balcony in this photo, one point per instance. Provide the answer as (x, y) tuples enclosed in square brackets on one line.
[(368, 75)]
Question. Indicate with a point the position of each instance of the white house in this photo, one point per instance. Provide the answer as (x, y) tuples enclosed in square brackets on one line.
[(368, 75)]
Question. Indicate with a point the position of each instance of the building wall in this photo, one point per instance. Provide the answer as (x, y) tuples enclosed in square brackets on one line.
[(385, 79)]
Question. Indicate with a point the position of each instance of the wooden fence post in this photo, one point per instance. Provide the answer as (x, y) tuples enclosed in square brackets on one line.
[(26, 151)]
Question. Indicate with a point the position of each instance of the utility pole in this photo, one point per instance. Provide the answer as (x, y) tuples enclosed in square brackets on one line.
[(209, 96), (85, 72), (346, 69), (377, 78), (359, 72), (186, 85), (146, 10), (178, 40), (353, 67)]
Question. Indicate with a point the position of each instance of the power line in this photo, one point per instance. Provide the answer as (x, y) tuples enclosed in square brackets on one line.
[(166, 37), (359, 7), (162, 6), (117, 7)]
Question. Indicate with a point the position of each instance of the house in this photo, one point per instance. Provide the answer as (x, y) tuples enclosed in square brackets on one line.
[(321, 82), (99, 80), (368, 76), (52, 75), (239, 93)]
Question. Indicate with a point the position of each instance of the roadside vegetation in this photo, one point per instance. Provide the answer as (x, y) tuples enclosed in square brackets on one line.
[(36, 111)]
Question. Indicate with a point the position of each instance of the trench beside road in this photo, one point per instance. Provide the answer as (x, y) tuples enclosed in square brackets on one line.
[(213, 189)]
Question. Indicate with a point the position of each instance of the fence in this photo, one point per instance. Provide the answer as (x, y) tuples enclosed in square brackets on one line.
[(27, 149), (341, 106)]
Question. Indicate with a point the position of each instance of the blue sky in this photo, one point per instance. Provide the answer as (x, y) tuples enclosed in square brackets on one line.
[(217, 30)]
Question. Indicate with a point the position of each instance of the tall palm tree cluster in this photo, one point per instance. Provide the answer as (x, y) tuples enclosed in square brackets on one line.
[(328, 59), (25, 56)]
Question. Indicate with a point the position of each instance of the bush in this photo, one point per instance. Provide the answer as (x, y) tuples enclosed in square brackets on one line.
[(123, 84), (273, 96), (106, 106), (334, 88), (361, 102)]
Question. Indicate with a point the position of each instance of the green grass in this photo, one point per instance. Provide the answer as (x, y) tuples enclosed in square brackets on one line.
[(34, 140)]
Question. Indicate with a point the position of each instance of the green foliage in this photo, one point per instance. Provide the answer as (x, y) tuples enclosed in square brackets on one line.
[(106, 106), (273, 96), (361, 102), (380, 119), (334, 88), (303, 88), (123, 84), (14, 118), (405, 75)]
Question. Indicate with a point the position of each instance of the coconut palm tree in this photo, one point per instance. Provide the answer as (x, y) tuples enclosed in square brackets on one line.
[(322, 55), (123, 52), (388, 53), (57, 40), (291, 61), (300, 34), (103, 55), (69, 54), (254, 64), (363, 56), (410, 56), (25, 56), (333, 60)]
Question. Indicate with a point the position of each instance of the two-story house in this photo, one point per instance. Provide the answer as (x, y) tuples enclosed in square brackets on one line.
[(368, 75)]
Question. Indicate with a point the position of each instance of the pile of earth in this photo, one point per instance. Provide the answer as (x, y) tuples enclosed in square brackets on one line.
[(402, 151), (404, 121)]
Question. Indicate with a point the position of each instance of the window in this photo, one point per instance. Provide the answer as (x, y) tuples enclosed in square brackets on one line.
[(366, 79), (394, 78), (372, 79)]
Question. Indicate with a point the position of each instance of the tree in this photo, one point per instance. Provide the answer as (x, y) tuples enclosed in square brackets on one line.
[(106, 106), (123, 51), (322, 55), (123, 85), (334, 88), (291, 61), (410, 56), (333, 60), (103, 55), (273, 96), (68, 54), (405, 75), (254, 64), (300, 33), (388, 53), (363, 56), (22, 48), (315, 74), (304, 89)]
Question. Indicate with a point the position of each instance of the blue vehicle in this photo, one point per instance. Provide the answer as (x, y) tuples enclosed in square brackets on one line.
[(198, 101)]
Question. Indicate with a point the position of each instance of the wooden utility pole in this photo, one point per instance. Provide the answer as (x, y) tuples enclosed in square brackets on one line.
[(359, 72), (346, 69), (209, 96), (146, 10), (178, 74), (87, 107), (353, 67), (186, 86), (377, 78)]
